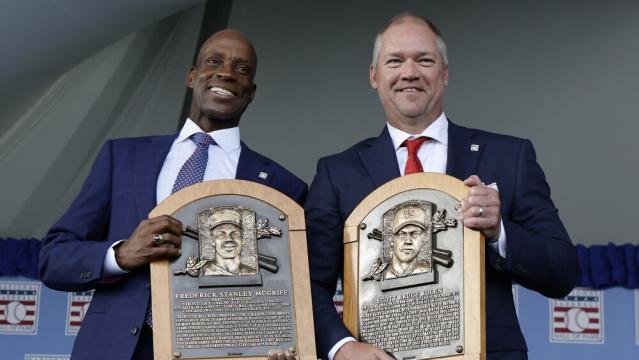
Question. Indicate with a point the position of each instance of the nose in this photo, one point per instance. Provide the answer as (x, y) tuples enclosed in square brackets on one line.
[(410, 70), (225, 72)]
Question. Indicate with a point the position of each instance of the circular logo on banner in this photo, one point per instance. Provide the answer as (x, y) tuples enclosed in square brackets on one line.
[(577, 320), (16, 312)]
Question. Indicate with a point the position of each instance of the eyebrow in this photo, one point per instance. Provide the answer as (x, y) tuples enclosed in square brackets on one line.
[(402, 53), (219, 54)]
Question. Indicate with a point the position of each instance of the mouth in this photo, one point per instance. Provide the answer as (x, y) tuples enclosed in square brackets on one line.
[(229, 245), (221, 91), (410, 89)]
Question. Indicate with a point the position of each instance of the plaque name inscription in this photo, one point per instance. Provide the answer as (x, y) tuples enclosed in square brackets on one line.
[(232, 318)]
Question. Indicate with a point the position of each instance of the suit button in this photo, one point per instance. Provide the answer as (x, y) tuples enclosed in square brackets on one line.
[(134, 330), (148, 285), (499, 264)]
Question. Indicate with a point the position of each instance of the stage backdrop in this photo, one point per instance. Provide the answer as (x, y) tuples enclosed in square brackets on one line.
[(40, 323)]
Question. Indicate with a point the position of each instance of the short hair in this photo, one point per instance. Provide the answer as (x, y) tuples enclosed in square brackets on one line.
[(404, 17)]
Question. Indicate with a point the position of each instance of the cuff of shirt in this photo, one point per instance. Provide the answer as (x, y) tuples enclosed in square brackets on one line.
[(500, 244), (337, 346), (110, 268)]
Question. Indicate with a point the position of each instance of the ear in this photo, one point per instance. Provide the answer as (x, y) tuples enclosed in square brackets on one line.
[(190, 77), (253, 90), (446, 75), (373, 76)]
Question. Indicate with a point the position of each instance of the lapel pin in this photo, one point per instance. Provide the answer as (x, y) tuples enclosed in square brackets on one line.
[(474, 147), (263, 175)]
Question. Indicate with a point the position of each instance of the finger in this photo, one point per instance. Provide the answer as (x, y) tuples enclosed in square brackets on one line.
[(288, 355), (482, 190), (483, 222), (384, 355), (272, 355), (166, 252), (463, 205), (168, 239), (472, 180), (165, 220), (166, 225), (482, 200), (478, 190), (280, 355), (476, 211)]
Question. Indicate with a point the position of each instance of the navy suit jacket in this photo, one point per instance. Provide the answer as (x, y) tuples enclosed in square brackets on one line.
[(119, 192), (539, 255)]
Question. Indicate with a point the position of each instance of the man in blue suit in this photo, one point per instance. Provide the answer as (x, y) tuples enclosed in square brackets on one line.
[(527, 242), (105, 241)]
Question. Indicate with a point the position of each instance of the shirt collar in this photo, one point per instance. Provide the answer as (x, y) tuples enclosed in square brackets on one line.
[(437, 130), (227, 139)]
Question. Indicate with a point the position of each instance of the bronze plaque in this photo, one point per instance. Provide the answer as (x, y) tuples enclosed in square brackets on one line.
[(410, 290), (232, 293)]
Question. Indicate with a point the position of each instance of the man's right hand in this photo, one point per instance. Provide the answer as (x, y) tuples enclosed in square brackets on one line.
[(141, 249), (354, 350)]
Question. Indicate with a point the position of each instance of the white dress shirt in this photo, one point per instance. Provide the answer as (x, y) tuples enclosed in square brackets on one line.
[(433, 155), (223, 157), (222, 164)]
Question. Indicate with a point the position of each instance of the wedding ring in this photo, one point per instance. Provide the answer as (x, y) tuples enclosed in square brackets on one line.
[(158, 239), (481, 211)]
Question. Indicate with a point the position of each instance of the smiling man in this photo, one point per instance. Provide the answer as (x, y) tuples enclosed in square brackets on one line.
[(527, 242), (105, 242)]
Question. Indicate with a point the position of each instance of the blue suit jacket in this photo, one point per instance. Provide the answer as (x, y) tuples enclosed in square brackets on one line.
[(119, 192), (539, 256)]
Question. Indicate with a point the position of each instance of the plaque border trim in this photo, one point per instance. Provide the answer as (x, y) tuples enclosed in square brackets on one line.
[(161, 275), (474, 259)]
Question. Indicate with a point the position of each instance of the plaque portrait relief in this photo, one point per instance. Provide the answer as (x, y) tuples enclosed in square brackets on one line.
[(408, 249), (228, 255), (225, 237), (412, 273)]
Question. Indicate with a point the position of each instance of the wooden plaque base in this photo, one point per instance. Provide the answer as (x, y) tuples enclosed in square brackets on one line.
[(358, 235), (163, 276)]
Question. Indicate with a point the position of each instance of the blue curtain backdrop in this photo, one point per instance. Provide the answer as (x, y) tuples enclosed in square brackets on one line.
[(19, 257)]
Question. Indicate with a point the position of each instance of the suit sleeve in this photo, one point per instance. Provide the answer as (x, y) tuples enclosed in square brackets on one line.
[(299, 195), (73, 250), (324, 232), (539, 255)]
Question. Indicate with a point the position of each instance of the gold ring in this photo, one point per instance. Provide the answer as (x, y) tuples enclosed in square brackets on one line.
[(158, 239)]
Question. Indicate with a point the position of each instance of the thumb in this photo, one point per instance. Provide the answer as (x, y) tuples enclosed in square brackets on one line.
[(472, 180)]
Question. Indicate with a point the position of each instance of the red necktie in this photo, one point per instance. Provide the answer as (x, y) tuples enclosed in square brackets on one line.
[(413, 165)]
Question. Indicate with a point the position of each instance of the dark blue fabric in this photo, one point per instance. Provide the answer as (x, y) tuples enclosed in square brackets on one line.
[(606, 266), (19, 257)]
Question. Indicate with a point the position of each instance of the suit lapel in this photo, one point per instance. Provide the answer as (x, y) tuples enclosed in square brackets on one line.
[(253, 167), (463, 152), (149, 159), (380, 160)]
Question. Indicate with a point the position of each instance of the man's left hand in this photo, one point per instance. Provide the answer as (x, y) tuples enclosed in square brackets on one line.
[(480, 209)]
